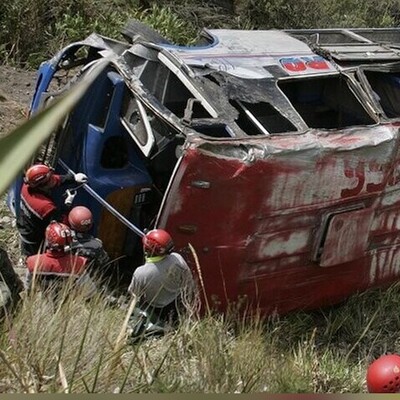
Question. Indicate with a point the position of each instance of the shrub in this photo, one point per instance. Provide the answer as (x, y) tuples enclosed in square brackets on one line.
[(33, 30)]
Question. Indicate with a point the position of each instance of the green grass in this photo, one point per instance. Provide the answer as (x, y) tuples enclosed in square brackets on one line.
[(52, 348), (8, 233), (33, 30)]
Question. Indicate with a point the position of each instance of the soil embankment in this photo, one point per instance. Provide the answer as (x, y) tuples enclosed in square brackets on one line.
[(16, 91)]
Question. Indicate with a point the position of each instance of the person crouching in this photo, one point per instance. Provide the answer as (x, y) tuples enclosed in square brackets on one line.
[(57, 265), (160, 282), (80, 219)]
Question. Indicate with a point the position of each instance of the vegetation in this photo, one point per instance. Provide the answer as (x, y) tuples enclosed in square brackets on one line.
[(75, 346), (33, 30), (78, 345)]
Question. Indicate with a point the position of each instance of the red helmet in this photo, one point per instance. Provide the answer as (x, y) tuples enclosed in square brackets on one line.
[(38, 175), (157, 242), (80, 219), (383, 375), (58, 236)]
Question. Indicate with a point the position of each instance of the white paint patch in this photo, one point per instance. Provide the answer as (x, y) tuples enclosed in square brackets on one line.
[(284, 244), (313, 185)]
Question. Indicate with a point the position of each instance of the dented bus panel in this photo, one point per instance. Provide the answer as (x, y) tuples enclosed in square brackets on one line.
[(275, 154)]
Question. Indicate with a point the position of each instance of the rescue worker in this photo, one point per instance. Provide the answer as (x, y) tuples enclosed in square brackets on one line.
[(37, 207), (58, 263), (80, 219), (163, 279)]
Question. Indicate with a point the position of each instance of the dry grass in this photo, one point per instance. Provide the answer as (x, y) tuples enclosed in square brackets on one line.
[(8, 234), (76, 346)]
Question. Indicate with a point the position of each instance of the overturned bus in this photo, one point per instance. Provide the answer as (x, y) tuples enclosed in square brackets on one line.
[(275, 154)]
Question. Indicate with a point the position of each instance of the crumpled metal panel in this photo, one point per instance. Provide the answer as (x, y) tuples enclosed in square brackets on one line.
[(258, 222)]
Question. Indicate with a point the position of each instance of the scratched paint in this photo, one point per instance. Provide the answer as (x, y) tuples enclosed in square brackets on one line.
[(385, 264), (388, 220), (391, 197)]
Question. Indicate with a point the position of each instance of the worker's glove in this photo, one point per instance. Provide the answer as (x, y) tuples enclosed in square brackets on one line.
[(70, 197), (80, 178), (67, 178)]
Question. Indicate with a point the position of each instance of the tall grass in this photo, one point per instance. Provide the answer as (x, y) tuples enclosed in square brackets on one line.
[(73, 346), (33, 30), (44, 338)]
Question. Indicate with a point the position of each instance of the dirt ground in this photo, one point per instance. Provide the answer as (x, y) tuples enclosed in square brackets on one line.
[(16, 91)]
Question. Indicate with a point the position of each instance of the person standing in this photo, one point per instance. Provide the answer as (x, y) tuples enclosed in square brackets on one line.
[(37, 207)]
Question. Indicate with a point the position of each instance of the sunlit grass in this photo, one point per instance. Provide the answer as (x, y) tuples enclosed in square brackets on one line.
[(8, 233), (52, 349), (71, 346)]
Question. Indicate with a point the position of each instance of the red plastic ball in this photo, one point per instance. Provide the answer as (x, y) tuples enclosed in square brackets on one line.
[(383, 375)]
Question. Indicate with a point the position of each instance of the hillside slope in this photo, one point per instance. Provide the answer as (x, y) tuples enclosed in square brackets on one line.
[(16, 90)]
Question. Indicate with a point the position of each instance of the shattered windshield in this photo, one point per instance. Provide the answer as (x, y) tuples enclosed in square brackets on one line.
[(253, 107), (267, 106), (325, 102)]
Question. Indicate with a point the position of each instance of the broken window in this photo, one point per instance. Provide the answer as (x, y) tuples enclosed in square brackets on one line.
[(213, 130), (131, 118), (256, 106), (386, 87), (260, 118), (325, 102), (169, 90), (165, 152)]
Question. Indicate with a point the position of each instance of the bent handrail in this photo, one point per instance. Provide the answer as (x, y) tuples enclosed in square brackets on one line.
[(104, 203)]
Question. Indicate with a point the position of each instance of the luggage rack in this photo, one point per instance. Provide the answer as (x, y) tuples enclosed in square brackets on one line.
[(353, 44)]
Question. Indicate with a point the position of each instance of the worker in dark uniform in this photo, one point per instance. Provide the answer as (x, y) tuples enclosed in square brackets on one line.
[(80, 219), (37, 207)]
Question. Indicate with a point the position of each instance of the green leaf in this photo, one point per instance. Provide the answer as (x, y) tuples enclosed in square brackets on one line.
[(17, 148)]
